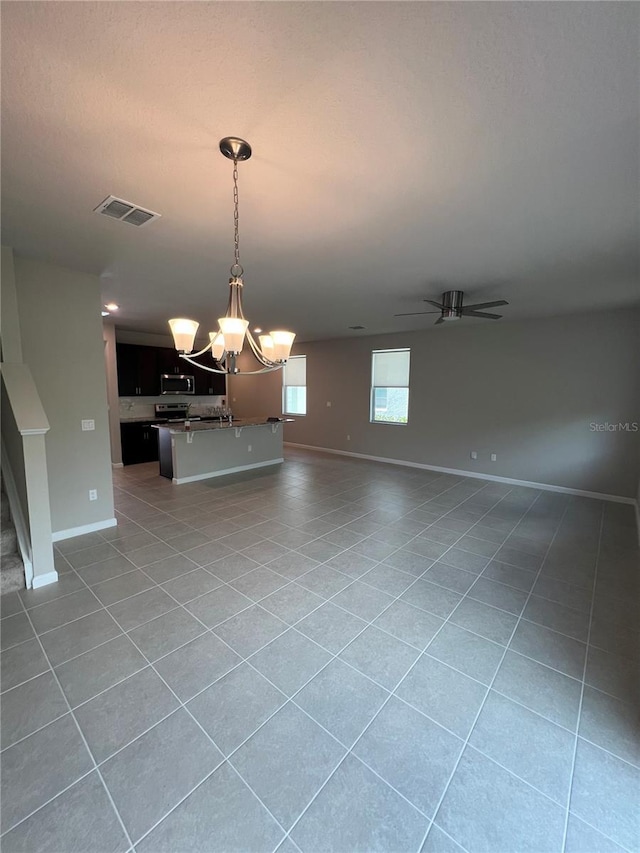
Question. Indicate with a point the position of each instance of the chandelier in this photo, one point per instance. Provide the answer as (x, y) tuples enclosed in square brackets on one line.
[(227, 342)]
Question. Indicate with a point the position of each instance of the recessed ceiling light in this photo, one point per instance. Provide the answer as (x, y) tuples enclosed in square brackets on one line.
[(257, 331), (105, 313), (111, 306)]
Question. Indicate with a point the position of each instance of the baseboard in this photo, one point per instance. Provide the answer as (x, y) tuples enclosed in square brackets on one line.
[(23, 535), (59, 535), (44, 580), (638, 519), (545, 487), (226, 471), (117, 464)]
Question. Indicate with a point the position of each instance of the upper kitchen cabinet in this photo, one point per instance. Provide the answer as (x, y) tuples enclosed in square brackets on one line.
[(138, 371), (209, 383), (140, 368), (169, 361)]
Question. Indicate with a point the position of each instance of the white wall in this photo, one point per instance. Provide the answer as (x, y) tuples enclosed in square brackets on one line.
[(62, 343), (527, 391)]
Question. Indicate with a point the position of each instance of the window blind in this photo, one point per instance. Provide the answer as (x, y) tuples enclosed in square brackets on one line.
[(295, 371), (390, 368)]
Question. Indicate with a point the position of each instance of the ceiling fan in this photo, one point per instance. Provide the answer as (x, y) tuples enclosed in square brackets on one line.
[(451, 308)]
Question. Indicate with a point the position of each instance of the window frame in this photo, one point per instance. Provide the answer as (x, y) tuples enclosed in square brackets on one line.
[(285, 386), (372, 391)]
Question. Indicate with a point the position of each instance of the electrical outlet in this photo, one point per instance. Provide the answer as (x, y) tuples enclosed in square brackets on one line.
[(93, 494), (474, 454), (348, 438), (88, 425), (493, 457), (249, 448), (328, 404)]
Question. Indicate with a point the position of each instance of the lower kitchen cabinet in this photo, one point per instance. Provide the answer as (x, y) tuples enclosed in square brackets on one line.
[(139, 442)]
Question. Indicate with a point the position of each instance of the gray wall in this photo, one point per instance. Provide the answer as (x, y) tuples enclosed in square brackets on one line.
[(527, 391), (61, 332), (9, 329), (253, 396)]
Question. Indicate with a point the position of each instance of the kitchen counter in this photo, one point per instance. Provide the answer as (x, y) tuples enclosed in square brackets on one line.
[(146, 420), (238, 423), (212, 449)]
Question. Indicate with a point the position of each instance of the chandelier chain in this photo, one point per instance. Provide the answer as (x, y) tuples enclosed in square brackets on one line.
[(236, 269)]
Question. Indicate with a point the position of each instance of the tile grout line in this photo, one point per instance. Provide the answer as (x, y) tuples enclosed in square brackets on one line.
[(290, 581), (360, 578), (482, 704), (391, 693), (584, 676), (86, 746), (181, 706)]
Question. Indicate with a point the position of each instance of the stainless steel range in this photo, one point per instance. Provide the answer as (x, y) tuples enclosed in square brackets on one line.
[(172, 412)]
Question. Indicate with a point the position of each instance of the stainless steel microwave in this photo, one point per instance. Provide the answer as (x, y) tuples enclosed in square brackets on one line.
[(174, 383)]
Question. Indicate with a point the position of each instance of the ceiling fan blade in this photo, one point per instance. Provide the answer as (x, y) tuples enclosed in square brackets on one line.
[(438, 321), (466, 313), (414, 313), (435, 304), (479, 305)]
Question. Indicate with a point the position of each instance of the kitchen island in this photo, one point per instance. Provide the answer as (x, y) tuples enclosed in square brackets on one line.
[(206, 449)]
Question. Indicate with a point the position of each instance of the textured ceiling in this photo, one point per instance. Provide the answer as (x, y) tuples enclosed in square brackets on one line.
[(400, 149)]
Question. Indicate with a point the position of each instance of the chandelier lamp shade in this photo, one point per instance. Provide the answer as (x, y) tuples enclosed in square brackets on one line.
[(226, 343)]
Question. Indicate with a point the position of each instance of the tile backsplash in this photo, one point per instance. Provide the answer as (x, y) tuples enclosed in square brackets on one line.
[(144, 407)]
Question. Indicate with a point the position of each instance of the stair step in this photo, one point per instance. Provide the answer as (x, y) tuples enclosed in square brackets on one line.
[(5, 512), (12, 574), (8, 541), (12, 568)]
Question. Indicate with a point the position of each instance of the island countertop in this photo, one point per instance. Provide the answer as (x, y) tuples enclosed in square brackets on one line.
[(239, 423), (213, 449)]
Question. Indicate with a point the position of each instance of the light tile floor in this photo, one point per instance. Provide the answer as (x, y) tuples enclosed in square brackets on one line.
[(334, 655)]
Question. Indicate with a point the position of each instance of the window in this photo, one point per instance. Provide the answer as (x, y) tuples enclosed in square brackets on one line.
[(294, 386), (390, 386)]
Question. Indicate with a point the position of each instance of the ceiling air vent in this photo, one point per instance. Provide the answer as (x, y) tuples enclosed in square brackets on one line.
[(125, 211)]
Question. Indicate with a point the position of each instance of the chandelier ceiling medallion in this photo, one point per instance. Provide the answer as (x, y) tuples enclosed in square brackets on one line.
[(227, 342)]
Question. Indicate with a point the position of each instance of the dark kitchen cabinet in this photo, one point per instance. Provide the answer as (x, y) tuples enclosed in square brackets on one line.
[(209, 383), (138, 371), (169, 361), (139, 442), (140, 368), (127, 361), (148, 372)]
